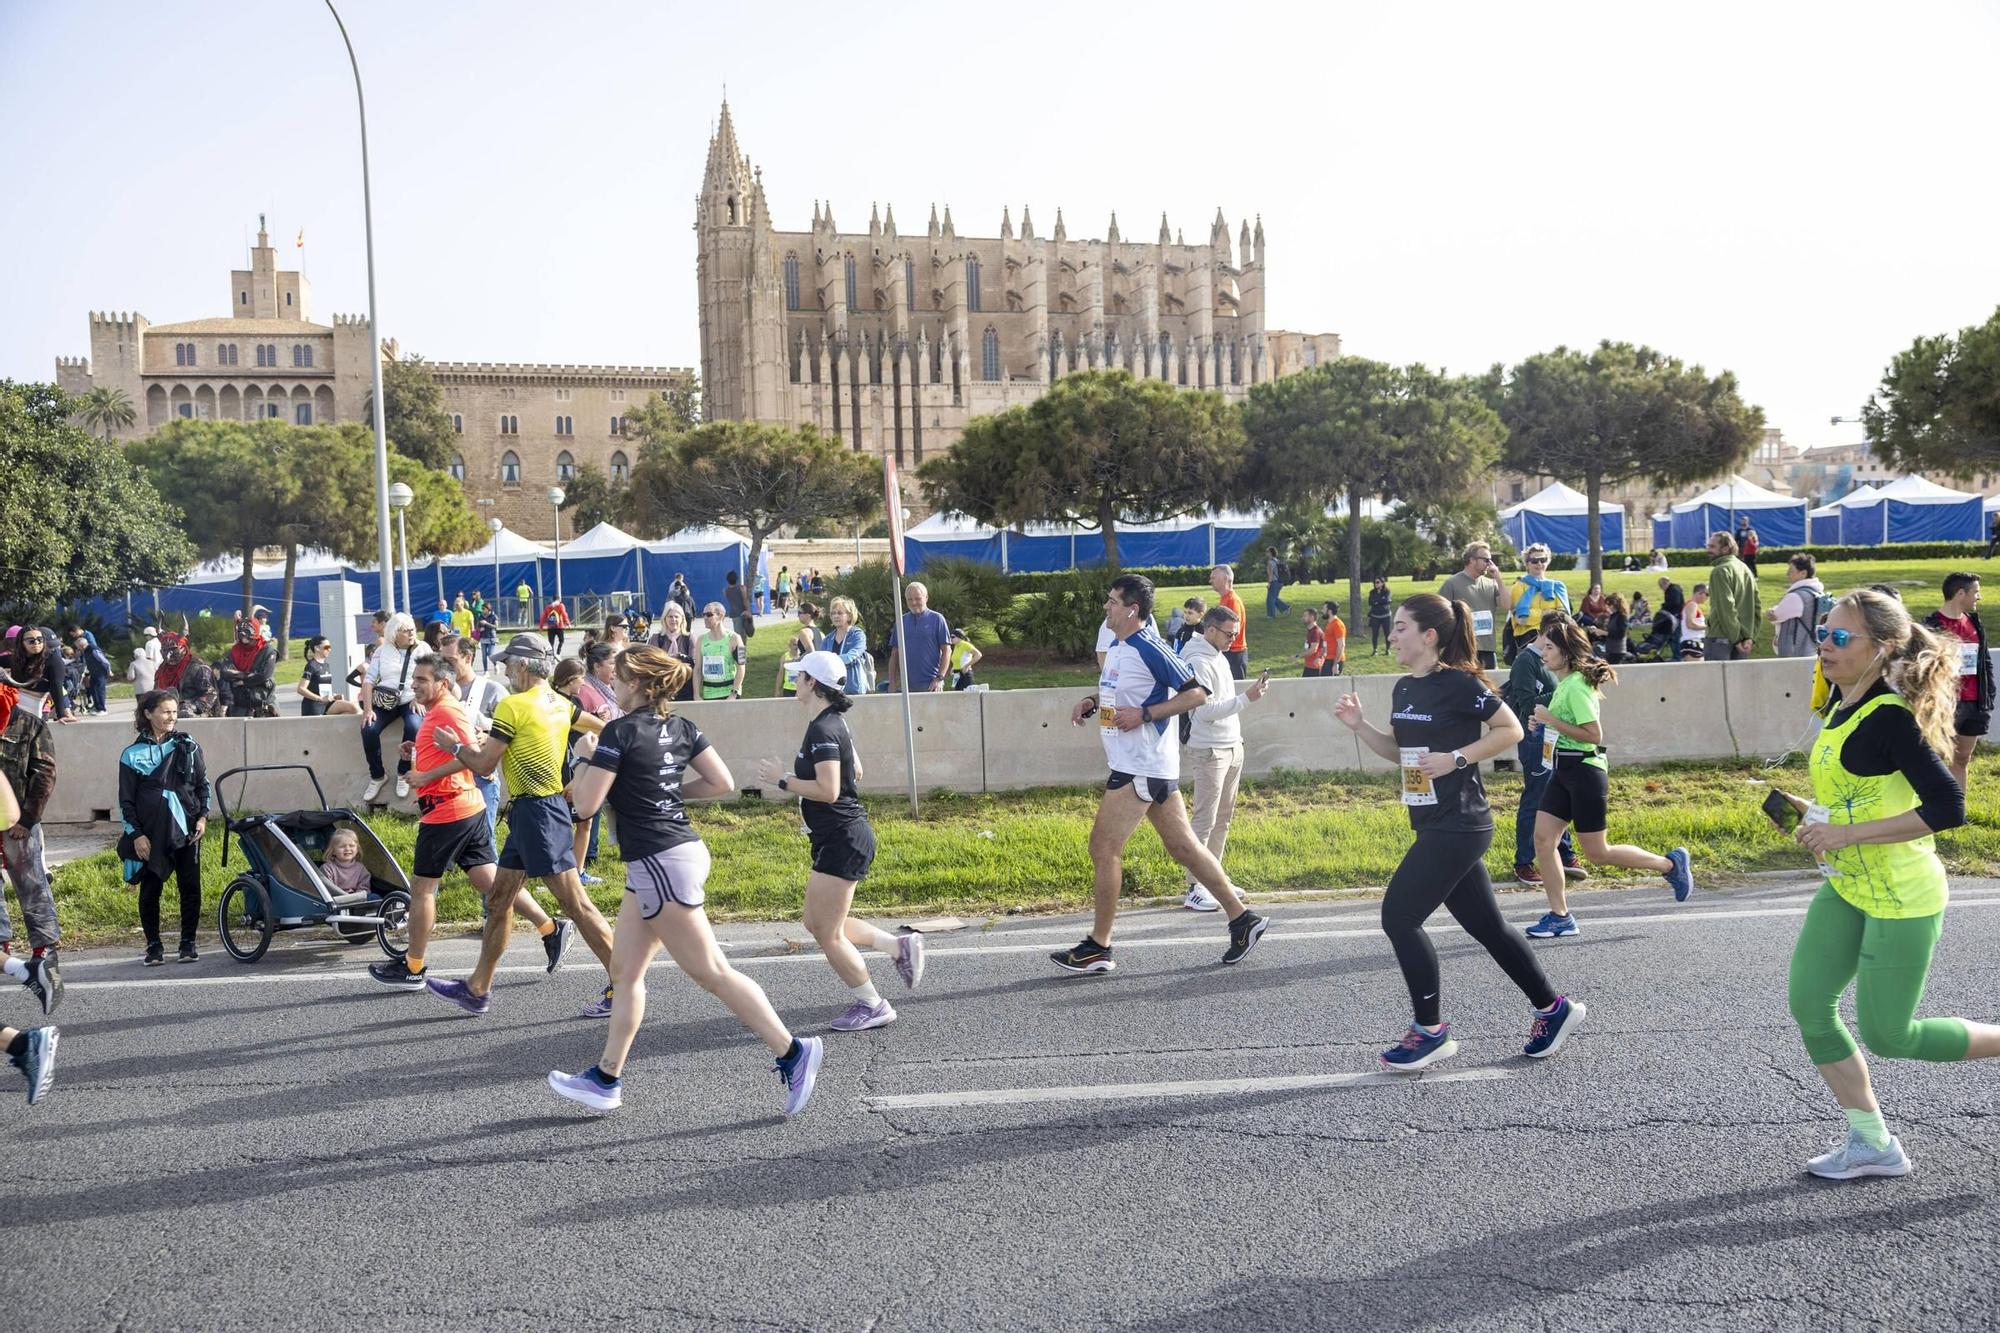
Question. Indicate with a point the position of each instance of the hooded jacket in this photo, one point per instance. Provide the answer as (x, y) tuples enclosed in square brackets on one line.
[(1798, 611), (1213, 725)]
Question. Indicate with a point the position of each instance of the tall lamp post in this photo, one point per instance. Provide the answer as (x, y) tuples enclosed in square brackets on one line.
[(384, 555), (555, 504), (399, 500), (494, 525)]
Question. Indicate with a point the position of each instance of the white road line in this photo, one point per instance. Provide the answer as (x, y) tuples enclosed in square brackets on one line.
[(1440, 925), (1203, 1087)]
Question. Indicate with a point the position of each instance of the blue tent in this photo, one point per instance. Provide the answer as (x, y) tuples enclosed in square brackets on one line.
[(952, 536), (1663, 532), (1780, 520), (705, 555), (1845, 521), (1559, 518), (1913, 509), (602, 561), (478, 571)]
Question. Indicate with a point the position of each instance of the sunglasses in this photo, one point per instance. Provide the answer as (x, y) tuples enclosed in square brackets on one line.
[(1840, 637), (31, 638)]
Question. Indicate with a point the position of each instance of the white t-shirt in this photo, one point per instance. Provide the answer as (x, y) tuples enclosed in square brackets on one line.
[(1141, 671), (1105, 638)]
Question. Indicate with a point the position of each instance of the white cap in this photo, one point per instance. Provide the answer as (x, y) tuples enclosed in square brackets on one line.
[(826, 668)]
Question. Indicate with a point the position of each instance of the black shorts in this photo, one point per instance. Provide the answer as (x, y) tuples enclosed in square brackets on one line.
[(465, 843), (1971, 719), (540, 837), (1153, 791), (844, 852), (1579, 794)]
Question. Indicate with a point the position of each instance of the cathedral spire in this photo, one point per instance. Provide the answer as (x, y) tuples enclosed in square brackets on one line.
[(1220, 228), (816, 216), (828, 219), (723, 154), (1111, 233), (889, 222), (1166, 236), (1061, 232), (949, 230), (1006, 223), (1027, 224), (934, 222), (874, 219)]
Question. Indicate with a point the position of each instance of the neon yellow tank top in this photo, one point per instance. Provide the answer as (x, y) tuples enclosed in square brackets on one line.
[(1893, 880)]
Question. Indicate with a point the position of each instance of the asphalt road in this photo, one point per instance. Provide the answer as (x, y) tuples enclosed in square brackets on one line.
[(1180, 1146)]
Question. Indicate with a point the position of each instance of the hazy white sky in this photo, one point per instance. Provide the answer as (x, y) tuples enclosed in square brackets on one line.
[(1790, 191)]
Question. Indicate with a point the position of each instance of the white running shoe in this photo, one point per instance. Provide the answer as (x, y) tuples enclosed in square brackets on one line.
[(1200, 900), (402, 787), (372, 790), (1855, 1157), (588, 1090)]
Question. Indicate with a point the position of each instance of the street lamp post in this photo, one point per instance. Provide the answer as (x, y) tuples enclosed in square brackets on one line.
[(399, 500), (383, 554), (555, 503), (494, 525)]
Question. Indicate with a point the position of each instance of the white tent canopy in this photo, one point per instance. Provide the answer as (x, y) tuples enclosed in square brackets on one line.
[(1736, 493), (707, 537), (603, 538), (1923, 491), (506, 544), (1554, 499), (1854, 499), (1992, 504)]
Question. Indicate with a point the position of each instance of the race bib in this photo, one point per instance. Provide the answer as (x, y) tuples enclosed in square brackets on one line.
[(1417, 789), (1968, 659), (1819, 814), (1482, 622), (1107, 708), (1548, 747)]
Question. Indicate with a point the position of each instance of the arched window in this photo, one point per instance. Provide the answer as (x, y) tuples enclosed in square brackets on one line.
[(302, 355), (972, 284), (183, 354), (989, 355), (791, 282), (510, 425), (564, 424), (853, 294), (565, 466), (458, 423), (910, 284), (458, 467), (510, 468), (620, 469), (302, 413)]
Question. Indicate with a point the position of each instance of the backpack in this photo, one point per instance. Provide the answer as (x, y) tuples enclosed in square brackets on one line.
[(1822, 607)]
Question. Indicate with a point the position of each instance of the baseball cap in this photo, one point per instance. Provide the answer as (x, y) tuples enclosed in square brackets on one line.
[(525, 646), (826, 668)]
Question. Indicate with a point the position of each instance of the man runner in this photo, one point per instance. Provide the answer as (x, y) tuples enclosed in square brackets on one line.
[(1142, 686), (530, 734)]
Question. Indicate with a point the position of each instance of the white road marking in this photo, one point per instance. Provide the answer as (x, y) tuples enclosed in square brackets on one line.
[(1202, 1087)]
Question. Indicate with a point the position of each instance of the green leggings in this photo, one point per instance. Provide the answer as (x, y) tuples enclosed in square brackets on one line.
[(1892, 957)]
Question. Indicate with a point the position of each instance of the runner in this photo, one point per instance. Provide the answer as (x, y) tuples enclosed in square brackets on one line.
[(1579, 786), (530, 733), (1880, 791), (1142, 686), (453, 828), (1440, 710), (32, 1052), (824, 775), (1958, 620), (647, 764), (720, 655)]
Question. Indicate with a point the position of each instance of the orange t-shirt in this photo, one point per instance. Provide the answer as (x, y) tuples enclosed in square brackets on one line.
[(1235, 603), (1336, 639), (452, 797)]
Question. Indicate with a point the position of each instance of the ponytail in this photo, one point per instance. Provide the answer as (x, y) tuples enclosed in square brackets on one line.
[(1922, 666), (1562, 630)]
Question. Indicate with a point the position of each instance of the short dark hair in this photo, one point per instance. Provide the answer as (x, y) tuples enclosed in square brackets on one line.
[(1218, 617), (150, 700), (1196, 604), (1803, 560), (1135, 590), (312, 644), (598, 654), (1954, 584)]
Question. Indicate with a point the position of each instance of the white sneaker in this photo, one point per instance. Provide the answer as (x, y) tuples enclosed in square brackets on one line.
[(1200, 900), (1855, 1157), (402, 787), (373, 789)]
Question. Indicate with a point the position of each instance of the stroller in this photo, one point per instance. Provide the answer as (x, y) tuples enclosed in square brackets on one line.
[(283, 890)]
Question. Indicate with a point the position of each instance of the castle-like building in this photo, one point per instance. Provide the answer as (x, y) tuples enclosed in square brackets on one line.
[(521, 428), (894, 342)]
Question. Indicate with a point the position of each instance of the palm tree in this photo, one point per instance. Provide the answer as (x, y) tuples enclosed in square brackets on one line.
[(107, 408)]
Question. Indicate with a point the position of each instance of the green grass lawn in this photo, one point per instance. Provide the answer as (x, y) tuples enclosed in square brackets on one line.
[(1026, 851)]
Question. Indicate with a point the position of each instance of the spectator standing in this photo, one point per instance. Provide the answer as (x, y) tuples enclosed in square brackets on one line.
[(163, 799), (965, 655), (680, 595), (145, 662), (183, 671), (96, 668), (1380, 613), (1475, 585), (488, 627), (1313, 658), (462, 619), (1222, 579), (248, 673), (1215, 743), (804, 640), (673, 639), (925, 637), (1732, 620), (1749, 550), (28, 765), (1531, 685), (1188, 627), (1274, 582), (37, 670), (524, 598), (1993, 537), (720, 655), (737, 603), (1797, 613), (847, 642), (1534, 595), (1614, 639), (555, 619), (1957, 621), (386, 697), (1336, 640)]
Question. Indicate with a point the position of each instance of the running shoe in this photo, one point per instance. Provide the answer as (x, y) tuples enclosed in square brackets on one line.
[(1851, 1160), (800, 1073), (556, 943), (396, 975), (1200, 900), (44, 980), (38, 1062), (910, 958), (460, 994), (1550, 1031), (589, 880), (1420, 1049), (599, 1007), (861, 1015), (1087, 956), (402, 786), (1574, 869), (1680, 877), (189, 953), (156, 955), (1244, 932), (1525, 873), (591, 1088), (1552, 927), (372, 790)]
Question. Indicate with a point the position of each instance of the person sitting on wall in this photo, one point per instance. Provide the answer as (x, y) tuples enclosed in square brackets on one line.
[(247, 674)]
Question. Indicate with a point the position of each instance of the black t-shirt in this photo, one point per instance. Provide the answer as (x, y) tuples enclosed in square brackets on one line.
[(827, 738), (318, 681), (1444, 711), (648, 754)]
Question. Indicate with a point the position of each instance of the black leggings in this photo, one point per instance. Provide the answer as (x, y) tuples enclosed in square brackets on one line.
[(1378, 632), (1450, 869), (187, 875)]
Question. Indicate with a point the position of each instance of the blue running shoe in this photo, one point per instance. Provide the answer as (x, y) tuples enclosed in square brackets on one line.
[(1680, 876), (37, 1062), (1552, 1030), (800, 1073), (590, 881), (1420, 1049), (599, 1007), (1552, 927), (593, 1088), (460, 994)]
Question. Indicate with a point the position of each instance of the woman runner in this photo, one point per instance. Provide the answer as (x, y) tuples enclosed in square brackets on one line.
[(823, 776), (1440, 710), (647, 764), (1579, 788), (1880, 791)]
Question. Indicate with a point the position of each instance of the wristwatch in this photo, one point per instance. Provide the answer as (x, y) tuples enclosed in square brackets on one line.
[(784, 784), (1145, 712), (1458, 759)]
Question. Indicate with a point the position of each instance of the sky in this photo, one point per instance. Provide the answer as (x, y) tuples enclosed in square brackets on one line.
[(1792, 192)]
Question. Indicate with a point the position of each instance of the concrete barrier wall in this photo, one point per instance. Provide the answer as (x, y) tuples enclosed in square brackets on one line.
[(1003, 740)]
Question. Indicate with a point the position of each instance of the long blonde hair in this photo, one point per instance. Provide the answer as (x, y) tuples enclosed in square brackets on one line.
[(1922, 667)]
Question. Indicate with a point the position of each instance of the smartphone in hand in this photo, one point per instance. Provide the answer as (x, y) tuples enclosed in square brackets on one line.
[(1779, 809), (1264, 676)]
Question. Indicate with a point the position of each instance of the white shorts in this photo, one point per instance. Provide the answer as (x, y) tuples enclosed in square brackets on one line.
[(677, 875)]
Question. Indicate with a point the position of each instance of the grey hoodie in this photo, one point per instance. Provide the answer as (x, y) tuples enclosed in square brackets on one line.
[(1214, 723)]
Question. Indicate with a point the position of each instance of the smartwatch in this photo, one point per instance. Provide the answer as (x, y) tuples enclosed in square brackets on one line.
[(784, 784), (1145, 712), (1458, 759)]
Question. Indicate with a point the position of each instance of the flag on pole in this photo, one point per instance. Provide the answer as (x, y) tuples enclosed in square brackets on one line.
[(302, 238)]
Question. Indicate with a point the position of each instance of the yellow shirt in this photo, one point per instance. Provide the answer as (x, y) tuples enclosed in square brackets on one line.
[(461, 620), (535, 725)]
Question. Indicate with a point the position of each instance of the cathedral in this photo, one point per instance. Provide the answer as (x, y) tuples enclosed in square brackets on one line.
[(893, 343)]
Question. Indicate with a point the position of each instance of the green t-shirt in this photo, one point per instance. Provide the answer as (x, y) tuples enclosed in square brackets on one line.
[(1576, 702)]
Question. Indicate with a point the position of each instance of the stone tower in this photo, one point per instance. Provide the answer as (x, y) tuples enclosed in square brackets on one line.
[(744, 362)]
